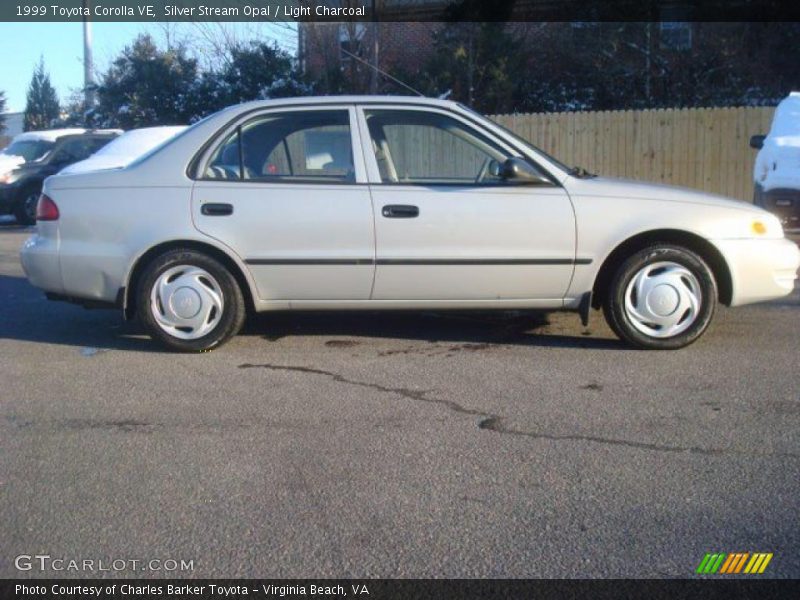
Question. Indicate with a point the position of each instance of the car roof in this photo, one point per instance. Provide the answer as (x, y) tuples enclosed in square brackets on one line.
[(93, 132), (351, 99), (49, 135), (52, 135)]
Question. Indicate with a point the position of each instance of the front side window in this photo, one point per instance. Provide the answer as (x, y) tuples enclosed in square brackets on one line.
[(308, 146), (416, 147)]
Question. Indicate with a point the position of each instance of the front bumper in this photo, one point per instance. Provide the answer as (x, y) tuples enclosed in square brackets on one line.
[(760, 269), (39, 258), (8, 196)]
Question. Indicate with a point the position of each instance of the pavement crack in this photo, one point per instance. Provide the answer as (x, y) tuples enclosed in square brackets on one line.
[(417, 395), (495, 424), (491, 422)]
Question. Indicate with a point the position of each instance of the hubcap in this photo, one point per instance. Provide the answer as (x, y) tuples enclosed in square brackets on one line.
[(663, 299), (186, 302)]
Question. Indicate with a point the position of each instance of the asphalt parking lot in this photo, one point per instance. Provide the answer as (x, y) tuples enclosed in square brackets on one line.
[(396, 445)]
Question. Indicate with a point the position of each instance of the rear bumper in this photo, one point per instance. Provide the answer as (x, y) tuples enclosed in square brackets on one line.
[(39, 258), (760, 269)]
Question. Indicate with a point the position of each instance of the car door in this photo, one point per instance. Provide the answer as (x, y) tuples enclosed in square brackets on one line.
[(286, 192), (448, 226)]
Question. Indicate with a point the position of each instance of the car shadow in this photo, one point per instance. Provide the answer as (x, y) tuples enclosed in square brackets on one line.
[(28, 316), (471, 328), (9, 223)]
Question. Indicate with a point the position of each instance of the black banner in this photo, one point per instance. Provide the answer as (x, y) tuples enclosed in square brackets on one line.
[(397, 10), (388, 589)]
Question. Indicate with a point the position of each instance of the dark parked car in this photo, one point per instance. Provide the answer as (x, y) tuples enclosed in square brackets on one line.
[(34, 156)]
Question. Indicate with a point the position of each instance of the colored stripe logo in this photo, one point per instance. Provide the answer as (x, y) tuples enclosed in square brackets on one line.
[(734, 563)]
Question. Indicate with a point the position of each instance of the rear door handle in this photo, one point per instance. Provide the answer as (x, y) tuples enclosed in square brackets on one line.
[(400, 211), (213, 209)]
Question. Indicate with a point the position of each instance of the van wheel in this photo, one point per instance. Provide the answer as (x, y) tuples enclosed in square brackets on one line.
[(189, 301), (661, 298)]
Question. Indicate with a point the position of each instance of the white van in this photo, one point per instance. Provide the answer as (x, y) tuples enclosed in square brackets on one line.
[(777, 170)]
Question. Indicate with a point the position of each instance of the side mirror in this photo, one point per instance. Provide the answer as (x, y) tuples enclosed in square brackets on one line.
[(519, 170), (757, 141)]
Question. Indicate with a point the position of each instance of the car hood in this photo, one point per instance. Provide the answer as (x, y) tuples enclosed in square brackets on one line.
[(9, 162), (637, 190)]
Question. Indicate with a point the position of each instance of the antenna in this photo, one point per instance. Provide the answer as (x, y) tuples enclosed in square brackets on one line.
[(382, 72)]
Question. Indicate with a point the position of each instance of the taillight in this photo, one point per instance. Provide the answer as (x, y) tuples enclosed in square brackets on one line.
[(46, 209)]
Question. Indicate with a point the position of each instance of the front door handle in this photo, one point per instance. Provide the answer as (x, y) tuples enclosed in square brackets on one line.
[(213, 209), (400, 211)]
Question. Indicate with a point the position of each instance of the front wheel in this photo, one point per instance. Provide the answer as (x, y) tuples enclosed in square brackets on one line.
[(662, 298), (189, 301)]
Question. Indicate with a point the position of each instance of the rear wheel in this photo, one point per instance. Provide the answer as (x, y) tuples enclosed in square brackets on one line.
[(662, 297), (25, 212), (189, 301)]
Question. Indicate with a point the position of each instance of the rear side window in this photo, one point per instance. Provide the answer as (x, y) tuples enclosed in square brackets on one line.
[(308, 146), (79, 148), (96, 144)]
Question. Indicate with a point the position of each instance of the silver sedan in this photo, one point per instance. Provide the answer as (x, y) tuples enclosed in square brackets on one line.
[(391, 203)]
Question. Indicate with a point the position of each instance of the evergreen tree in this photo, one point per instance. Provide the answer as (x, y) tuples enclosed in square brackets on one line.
[(480, 64), (254, 71), (146, 86), (42, 107)]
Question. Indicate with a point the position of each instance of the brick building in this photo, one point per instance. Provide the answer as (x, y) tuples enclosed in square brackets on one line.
[(340, 53), (335, 51)]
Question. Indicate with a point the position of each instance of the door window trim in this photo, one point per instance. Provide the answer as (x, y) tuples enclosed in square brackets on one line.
[(203, 158), (373, 173)]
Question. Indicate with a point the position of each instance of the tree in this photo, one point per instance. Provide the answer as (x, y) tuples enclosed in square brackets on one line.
[(41, 108), (146, 86), (261, 71), (478, 63), (74, 112), (254, 71), (2, 112)]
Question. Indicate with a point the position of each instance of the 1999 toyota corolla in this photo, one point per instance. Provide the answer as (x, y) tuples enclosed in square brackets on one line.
[(391, 203)]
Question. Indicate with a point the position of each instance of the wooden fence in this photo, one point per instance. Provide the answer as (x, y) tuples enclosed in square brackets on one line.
[(703, 148)]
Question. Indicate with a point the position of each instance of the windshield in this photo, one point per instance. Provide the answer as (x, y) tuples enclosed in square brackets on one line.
[(522, 141), (787, 118), (29, 149)]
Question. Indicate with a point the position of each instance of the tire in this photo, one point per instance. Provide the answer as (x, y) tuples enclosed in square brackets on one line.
[(679, 296), (189, 301), (25, 211)]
